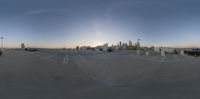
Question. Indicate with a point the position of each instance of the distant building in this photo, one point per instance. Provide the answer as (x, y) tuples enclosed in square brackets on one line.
[(120, 44), (165, 49), (124, 45), (105, 47), (168, 49), (77, 47), (137, 45), (157, 49), (97, 49), (115, 47), (22, 46), (130, 43), (152, 48), (83, 48)]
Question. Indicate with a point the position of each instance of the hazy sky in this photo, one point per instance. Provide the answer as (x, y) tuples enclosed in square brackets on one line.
[(58, 23)]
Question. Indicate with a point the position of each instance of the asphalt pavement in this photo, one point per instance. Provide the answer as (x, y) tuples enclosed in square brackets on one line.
[(67, 74)]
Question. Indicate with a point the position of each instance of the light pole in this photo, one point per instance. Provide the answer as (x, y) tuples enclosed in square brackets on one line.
[(138, 43), (1, 42), (138, 46)]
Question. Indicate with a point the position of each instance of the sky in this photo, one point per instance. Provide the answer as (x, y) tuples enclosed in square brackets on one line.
[(70, 23)]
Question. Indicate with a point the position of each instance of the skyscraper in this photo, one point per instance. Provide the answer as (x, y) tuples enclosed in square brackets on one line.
[(130, 43), (120, 44)]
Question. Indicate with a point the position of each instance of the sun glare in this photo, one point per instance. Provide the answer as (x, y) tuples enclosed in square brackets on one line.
[(97, 42)]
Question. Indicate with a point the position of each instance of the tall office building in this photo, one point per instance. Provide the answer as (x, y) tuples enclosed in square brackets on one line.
[(130, 43), (124, 45), (105, 47), (120, 44)]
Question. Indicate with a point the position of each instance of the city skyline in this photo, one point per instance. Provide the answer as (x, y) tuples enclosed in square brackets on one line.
[(57, 24)]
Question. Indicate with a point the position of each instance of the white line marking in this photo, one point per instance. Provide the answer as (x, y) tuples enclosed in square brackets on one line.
[(153, 58), (49, 57), (163, 59), (189, 57), (170, 61), (176, 58), (66, 58)]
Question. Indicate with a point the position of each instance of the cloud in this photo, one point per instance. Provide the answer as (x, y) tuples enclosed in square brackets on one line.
[(42, 11), (38, 11)]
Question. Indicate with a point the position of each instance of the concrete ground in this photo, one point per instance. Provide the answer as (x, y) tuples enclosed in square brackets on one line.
[(59, 74)]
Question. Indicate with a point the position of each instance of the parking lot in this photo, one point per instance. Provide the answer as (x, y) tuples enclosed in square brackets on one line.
[(62, 74)]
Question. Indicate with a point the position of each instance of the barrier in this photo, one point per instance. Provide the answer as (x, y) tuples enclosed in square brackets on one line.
[(182, 52), (138, 52), (162, 53), (147, 53)]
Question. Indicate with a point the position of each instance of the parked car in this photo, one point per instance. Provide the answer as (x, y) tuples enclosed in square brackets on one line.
[(1, 52), (109, 49), (31, 49), (194, 52)]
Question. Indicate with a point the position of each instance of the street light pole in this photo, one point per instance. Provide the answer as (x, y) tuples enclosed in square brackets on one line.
[(138, 43), (138, 46), (2, 42)]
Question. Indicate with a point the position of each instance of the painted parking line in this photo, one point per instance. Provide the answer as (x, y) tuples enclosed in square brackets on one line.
[(163, 59), (44, 55), (152, 58), (189, 57), (38, 54), (51, 56), (176, 58), (169, 61), (66, 59)]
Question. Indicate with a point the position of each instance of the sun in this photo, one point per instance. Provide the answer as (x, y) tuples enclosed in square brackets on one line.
[(97, 42)]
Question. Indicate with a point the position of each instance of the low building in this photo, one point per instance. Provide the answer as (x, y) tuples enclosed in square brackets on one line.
[(115, 47), (157, 49), (83, 48), (22, 46), (97, 49), (165, 49)]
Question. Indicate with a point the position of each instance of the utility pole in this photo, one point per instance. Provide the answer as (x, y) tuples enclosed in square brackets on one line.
[(1, 42)]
